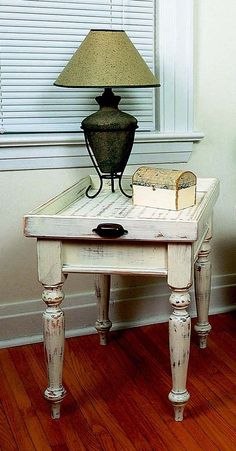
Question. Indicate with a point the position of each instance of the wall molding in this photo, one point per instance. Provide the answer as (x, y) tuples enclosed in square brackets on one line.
[(20, 322)]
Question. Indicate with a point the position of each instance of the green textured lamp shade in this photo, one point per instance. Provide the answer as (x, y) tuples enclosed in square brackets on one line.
[(106, 59)]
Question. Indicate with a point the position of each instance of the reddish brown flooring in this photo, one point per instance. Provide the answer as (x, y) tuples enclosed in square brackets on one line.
[(117, 395)]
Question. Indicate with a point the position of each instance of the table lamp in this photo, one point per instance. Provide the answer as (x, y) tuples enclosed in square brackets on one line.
[(107, 59)]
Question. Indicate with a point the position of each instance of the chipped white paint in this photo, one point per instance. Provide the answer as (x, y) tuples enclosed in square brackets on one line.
[(49, 262), (159, 242), (202, 276), (51, 276), (72, 215), (179, 342), (180, 262), (103, 323), (114, 257), (53, 331)]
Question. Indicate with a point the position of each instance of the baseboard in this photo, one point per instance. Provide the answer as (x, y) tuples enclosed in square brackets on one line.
[(21, 323)]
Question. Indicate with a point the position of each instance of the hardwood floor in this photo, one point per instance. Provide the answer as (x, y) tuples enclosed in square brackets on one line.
[(117, 395)]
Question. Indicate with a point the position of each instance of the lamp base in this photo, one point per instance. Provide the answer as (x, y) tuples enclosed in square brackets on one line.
[(111, 177), (109, 135)]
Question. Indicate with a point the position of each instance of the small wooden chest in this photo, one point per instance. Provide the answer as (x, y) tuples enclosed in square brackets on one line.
[(164, 188)]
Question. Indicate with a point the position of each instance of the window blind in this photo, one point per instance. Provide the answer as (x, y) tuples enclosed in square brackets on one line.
[(38, 37)]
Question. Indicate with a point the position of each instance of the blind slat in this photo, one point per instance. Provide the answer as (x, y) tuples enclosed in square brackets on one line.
[(80, 95), (80, 11), (37, 40), (45, 4)]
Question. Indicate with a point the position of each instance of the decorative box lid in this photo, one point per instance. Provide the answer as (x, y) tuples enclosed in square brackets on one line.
[(164, 178)]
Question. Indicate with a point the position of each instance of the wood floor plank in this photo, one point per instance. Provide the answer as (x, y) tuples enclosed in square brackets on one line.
[(19, 431), (117, 388), (202, 370), (24, 404), (117, 395), (93, 407), (156, 345), (67, 433), (7, 442), (24, 366), (147, 378), (217, 394), (150, 396)]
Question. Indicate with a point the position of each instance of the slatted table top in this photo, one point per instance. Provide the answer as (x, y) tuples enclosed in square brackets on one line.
[(71, 214)]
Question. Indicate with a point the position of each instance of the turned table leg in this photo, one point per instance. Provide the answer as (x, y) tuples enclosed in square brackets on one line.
[(53, 332), (179, 341), (202, 277), (103, 324), (180, 265), (52, 278)]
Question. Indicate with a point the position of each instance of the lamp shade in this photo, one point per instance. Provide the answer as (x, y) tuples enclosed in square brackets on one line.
[(106, 58)]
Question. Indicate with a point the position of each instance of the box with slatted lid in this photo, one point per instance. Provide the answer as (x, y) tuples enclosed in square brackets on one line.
[(164, 188)]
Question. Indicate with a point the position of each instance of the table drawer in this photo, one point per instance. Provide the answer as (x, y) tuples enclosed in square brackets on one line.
[(114, 257)]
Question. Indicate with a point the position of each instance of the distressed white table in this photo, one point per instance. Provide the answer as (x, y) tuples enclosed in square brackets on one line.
[(158, 243)]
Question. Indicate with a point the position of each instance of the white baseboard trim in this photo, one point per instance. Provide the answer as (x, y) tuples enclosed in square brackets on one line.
[(20, 322)]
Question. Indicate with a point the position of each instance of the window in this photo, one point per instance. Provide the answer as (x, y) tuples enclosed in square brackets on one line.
[(39, 37)]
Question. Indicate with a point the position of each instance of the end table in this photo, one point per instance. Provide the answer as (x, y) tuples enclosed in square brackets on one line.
[(77, 235)]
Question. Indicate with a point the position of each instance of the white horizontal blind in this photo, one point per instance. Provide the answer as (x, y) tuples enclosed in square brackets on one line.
[(38, 37)]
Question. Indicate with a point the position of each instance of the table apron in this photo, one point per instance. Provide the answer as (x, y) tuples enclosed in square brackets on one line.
[(114, 257)]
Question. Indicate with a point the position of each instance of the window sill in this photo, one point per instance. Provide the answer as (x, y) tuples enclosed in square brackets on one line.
[(57, 139), (65, 150)]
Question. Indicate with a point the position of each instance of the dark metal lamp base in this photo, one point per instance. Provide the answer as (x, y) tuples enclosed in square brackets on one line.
[(109, 136), (111, 177)]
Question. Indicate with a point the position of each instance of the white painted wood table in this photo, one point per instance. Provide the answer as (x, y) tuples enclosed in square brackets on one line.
[(158, 243)]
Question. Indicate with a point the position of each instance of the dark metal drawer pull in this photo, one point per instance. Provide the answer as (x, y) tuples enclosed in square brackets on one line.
[(110, 230)]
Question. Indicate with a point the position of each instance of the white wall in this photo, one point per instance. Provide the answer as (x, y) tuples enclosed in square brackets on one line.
[(215, 89), (215, 115)]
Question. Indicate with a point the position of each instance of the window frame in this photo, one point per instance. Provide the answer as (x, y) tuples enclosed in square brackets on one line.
[(171, 144)]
